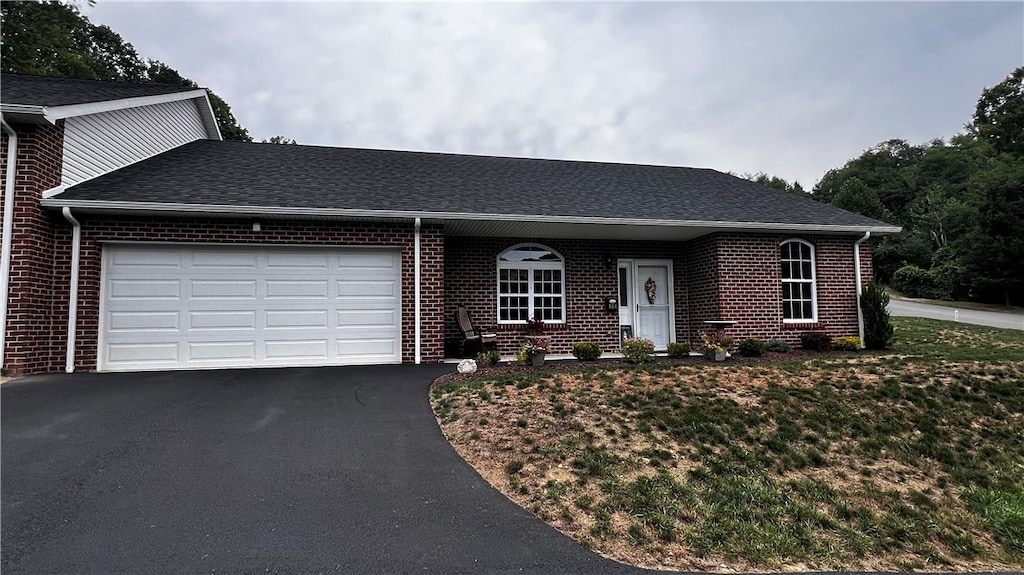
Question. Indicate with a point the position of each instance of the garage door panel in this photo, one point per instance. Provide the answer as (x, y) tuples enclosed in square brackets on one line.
[(144, 321), (293, 289), (368, 318), (224, 259), (157, 258), (239, 306), (223, 289), (238, 352), (289, 261), (142, 353), (144, 289), (219, 320), (367, 348), (296, 319), (283, 350)]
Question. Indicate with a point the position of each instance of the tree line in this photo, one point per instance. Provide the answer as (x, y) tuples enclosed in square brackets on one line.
[(960, 203), (54, 39)]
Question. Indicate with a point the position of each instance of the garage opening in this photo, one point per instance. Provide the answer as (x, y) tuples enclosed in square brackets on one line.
[(176, 306)]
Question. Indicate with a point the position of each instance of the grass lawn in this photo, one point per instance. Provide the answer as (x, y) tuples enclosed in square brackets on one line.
[(912, 459)]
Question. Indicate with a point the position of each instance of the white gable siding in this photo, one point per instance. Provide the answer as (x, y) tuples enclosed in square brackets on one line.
[(99, 143)]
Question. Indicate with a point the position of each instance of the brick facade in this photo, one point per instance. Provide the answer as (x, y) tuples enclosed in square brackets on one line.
[(727, 276), (718, 277), (30, 342)]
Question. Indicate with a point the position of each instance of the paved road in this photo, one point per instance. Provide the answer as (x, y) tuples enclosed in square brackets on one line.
[(331, 470), (990, 318)]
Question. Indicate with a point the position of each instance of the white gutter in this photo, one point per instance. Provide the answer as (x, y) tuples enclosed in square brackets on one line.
[(5, 249), (416, 288), (856, 270), (76, 244)]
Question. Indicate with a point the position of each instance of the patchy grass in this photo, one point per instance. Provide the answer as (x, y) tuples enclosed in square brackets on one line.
[(908, 460)]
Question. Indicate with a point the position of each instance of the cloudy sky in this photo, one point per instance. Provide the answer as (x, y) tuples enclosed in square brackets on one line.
[(791, 89)]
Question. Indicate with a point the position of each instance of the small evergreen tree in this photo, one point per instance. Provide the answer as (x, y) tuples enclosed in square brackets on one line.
[(874, 304)]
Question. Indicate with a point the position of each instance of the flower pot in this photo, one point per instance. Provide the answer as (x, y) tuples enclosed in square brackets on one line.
[(720, 355), (537, 359)]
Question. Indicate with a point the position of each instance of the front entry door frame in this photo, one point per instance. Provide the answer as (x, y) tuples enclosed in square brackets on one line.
[(635, 296)]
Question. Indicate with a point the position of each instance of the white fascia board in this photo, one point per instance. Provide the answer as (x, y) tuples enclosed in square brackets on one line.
[(60, 112), (269, 211), (209, 118)]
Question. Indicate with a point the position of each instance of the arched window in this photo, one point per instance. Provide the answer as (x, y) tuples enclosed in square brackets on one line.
[(799, 292), (531, 283)]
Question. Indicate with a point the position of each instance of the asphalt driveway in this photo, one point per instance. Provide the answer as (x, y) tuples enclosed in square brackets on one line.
[(273, 470)]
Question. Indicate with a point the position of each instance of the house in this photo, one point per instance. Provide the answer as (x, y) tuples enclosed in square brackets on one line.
[(136, 239)]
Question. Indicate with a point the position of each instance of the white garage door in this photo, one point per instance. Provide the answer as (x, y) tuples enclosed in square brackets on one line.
[(171, 306)]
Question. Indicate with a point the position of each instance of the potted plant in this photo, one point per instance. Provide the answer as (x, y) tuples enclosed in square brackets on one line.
[(715, 346), (535, 349)]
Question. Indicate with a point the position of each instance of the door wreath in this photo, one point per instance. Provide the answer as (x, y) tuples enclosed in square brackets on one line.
[(652, 290)]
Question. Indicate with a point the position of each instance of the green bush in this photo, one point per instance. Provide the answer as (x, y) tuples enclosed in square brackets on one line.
[(586, 350), (678, 350), (874, 307), (488, 358), (913, 281), (752, 347), (847, 343), (816, 341), (638, 350), (778, 346)]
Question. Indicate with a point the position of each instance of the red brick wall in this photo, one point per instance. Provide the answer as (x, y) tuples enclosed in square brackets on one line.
[(471, 279), (30, 343), (718, 277), (750, 285), (97, 229)]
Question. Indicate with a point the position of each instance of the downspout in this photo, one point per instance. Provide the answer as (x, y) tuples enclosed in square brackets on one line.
[(416, 289), (8, 235), (76, 244), (856, 270)]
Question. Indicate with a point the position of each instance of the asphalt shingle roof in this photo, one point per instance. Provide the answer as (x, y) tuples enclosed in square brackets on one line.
[(273, 175), (49, 91)]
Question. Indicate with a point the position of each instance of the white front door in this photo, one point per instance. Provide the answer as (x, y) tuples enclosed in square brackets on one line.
[(647, 300)]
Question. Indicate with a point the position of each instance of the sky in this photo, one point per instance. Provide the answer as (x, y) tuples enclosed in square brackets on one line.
[(786, 88)]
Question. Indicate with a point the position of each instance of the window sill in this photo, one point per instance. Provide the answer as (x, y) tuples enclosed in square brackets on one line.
[(548, 326), (802, 325)]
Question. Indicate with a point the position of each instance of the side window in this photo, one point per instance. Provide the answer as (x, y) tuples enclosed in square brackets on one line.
[(531, 283), (799, 292)]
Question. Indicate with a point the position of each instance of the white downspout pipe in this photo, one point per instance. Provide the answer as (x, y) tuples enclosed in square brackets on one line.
[(76, 245), (8, 235), (416, 290), (860, 288)]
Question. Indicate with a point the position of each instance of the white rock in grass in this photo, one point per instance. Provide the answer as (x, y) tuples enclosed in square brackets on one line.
[(467, 366)]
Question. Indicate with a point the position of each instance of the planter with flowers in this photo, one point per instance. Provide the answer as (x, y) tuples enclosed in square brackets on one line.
[(536, 346), (715, 346)]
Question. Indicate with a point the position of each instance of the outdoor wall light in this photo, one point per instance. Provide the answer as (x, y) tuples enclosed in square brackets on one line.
[(256, 226), (609, 261)]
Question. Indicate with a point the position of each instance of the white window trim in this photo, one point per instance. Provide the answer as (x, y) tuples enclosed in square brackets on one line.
[(813, 281), (531, 266)]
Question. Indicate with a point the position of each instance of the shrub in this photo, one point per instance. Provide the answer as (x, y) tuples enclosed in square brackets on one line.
[(638, 350), (816, 341), (678, 350), (523, 356), (847, 343), (874, 307), (913, 281), (488, 358), (778, 346), (586, 350), (751, 347)]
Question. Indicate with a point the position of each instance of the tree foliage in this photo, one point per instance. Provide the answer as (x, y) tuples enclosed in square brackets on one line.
[(776, 183), (960, 203), (53, 39)]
